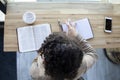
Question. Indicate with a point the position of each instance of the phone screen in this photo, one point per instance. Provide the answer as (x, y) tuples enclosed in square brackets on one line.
[(108, 25)]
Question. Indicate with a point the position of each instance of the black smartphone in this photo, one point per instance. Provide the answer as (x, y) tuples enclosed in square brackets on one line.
[(108, 24)]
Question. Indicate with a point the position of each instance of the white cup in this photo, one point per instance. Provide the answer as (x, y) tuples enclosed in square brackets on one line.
[(29, 17)]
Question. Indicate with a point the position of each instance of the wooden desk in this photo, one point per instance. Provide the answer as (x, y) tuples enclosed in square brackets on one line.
[(50, 12)]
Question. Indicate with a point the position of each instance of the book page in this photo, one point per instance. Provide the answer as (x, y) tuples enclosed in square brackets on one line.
[(41, 32), (83, 28), (26, 39)]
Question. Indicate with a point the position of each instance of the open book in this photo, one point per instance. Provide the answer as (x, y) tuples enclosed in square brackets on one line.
[(83, 28), (30, 38)]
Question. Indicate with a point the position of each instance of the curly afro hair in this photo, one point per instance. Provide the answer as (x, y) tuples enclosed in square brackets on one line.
[(62, 56)]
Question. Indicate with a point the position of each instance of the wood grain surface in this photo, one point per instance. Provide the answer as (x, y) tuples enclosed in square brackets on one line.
[(51, 12)]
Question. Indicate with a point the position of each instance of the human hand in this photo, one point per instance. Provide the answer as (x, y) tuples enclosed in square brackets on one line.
[(71, 28)]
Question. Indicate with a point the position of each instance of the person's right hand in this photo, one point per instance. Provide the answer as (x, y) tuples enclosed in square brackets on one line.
[(71, 28)]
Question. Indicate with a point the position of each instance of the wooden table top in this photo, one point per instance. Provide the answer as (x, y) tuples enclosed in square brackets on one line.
[(51, 12)]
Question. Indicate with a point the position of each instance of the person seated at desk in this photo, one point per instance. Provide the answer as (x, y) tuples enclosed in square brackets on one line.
[(63, 57)]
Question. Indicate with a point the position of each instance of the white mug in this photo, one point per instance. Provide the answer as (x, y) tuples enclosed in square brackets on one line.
[(29, 17)]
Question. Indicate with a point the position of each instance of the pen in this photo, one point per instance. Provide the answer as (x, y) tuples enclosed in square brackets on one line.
[(60, 24)]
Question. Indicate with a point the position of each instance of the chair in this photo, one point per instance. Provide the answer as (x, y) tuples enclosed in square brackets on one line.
[(3, 7)]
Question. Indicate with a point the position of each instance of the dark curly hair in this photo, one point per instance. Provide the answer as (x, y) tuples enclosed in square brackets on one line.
[(62, 56)]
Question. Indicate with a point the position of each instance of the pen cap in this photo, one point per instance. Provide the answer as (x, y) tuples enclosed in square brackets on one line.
[(29, 17)]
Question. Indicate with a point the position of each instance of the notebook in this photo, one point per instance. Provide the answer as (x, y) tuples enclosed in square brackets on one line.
[(83, 28), (30, 38)]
